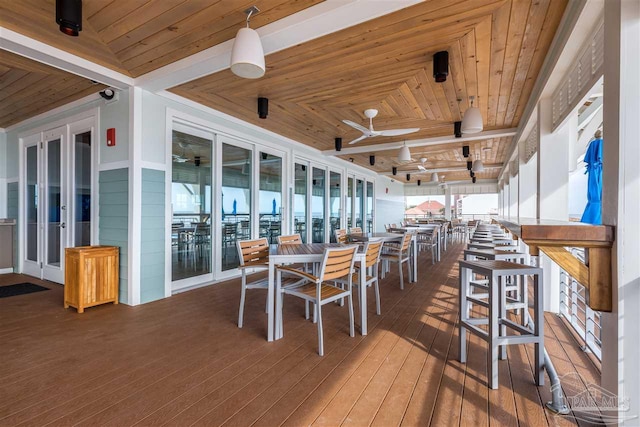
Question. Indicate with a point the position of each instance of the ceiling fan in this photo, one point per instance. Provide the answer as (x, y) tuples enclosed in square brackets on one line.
[(370, 133)]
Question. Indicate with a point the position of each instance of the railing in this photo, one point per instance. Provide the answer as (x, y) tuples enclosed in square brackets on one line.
[(465, 217), (584, 320)]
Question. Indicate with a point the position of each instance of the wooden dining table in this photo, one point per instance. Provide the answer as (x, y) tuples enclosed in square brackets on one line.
[(301, 254)]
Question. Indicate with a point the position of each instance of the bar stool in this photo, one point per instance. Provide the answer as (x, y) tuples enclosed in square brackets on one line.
[(497, 320), (516, 297)]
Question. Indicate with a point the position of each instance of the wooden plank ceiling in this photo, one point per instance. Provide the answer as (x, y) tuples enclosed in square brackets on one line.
[(135, 37), (28, 88), (496, 50)]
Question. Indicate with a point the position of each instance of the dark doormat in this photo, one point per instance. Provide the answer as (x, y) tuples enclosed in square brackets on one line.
[(20, 289)]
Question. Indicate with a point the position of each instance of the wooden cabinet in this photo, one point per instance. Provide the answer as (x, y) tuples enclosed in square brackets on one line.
[(91, 276)]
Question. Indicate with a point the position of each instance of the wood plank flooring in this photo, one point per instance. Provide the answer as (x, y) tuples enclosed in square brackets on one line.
[(183, 361)]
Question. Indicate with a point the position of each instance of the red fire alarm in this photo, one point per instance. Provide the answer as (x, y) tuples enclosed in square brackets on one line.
[(111, 137)]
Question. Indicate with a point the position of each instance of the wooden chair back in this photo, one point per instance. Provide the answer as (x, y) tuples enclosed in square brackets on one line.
[(372, 251), (341, 236), (293, 239), (406, 241), (356, 230), (337, 262), (253, 251)]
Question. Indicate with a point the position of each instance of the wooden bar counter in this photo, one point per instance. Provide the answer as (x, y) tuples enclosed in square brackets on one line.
[(553, 237)]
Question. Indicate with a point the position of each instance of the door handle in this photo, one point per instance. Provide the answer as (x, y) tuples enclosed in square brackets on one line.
[(62, 225)]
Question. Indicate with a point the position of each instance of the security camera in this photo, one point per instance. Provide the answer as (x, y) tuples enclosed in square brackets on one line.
[(108, 94)]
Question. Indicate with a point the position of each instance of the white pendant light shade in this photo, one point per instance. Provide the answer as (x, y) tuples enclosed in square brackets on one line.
[(247, 55), (477, 166), (472, 120), (434, 177), (404, 155)]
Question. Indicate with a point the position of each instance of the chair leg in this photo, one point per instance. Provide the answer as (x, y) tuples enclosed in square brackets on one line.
[(242, 297), (401, 274), (351, 324), (306, 309), (320, 340), (377, 288)]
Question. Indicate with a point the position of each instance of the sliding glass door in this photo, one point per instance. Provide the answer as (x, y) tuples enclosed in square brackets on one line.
[(300, 200), (334, 204), (270, 196), (370, 198), (191, 193)]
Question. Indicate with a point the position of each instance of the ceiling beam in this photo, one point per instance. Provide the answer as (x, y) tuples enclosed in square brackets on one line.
[(308, 24), (425, 142), (49, 55), (438, 170)]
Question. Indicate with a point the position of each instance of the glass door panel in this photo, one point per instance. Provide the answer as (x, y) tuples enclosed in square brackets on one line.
[(359, 203), (53, 214), (236, 202), (334, 204), (270, 197), (32, 204), (191, 205), (318, 205), (300, 201), (370, 195), (82, 196), (349, 202)]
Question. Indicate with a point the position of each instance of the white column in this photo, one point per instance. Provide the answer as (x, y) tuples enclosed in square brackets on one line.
[(135, 193), (553, 187), (447, 203), (527, 188), (553, 163), (621, 201)]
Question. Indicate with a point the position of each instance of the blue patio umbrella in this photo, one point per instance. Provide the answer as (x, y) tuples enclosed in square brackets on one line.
[(235, 207), (273, 207), (593, 158)]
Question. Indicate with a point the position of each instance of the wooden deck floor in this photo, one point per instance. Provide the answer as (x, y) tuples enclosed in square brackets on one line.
[(183, 361)]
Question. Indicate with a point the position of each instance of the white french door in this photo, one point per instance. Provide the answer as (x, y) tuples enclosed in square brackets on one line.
[(57, 182)]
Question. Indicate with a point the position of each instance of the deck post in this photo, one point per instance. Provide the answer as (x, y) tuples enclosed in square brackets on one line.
[(621, 203)]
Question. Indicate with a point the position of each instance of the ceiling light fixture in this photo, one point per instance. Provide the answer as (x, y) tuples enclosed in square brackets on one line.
[(247, 55), (69, 16), (441, 66), (477, 165), (472, 120), (434, 177), (263, 107), (404, 155)]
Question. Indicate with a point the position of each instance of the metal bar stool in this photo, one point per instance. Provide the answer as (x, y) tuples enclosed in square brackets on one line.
[(497, 320)]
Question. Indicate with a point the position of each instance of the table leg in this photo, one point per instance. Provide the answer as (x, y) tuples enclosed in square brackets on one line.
[(270, 294), (278, 300), (363, 296), (439, 245), (415, 261)]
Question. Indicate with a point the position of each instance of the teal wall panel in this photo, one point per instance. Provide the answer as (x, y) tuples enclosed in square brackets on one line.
[(152, 241), (114, 219)]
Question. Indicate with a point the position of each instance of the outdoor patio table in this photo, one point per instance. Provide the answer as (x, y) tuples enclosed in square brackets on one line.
[(300, 254)]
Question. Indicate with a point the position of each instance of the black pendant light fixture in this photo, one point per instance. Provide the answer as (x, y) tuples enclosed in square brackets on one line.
[(394, 170), (263, 107), (338, 142), (69, 16), (457, 129), (419, 182), (408, 177), (372, 160), (441, 66)]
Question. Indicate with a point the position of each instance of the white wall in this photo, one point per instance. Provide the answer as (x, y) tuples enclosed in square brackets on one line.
[(527, 193), (390, 204)]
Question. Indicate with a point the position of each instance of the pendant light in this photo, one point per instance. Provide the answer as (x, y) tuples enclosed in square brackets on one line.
[(477, 165), (434, 177), (247, 55), (472, 120), (404, 155)]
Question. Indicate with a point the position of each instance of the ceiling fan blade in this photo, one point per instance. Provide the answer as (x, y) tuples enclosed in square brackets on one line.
[(357, 126), (422, 168), (358, 139), (397, 132)]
